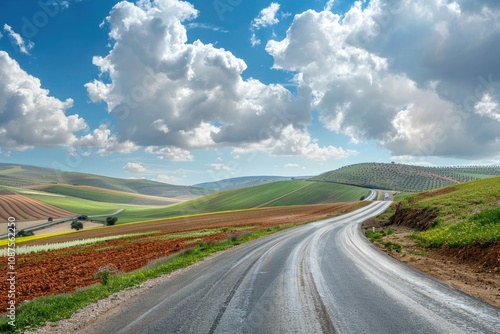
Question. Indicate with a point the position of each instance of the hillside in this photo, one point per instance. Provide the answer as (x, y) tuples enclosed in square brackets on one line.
[(283, 193), (30, 176), (240, 182), (107, 195), (406, 178)]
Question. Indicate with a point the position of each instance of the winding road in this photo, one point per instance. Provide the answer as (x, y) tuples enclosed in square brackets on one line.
[(323, 277)]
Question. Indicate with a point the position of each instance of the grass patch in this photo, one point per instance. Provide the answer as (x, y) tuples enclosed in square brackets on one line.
[(36, 313), (481, 229), (374, 236), (392, 246)]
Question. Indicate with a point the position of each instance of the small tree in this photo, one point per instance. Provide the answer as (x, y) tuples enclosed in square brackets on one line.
[(111, 220), (49, 219), (77, 225)]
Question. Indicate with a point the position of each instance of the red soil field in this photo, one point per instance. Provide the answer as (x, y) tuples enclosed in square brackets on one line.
[(24, 208), (66, 270)]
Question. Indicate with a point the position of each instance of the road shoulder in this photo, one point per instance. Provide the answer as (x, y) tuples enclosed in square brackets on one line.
[(459, 268)]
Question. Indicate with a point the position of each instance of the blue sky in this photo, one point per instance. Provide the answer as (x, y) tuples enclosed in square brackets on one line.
[(188, 92)]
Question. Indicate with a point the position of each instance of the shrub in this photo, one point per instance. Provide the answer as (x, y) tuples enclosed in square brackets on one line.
[(111, 220), (77, 225)]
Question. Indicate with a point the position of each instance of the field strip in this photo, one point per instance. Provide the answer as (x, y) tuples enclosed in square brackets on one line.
[(280, 197)]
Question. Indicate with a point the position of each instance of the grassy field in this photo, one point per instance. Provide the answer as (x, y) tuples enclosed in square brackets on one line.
[(107, 195), (281, 193), (406, 178), (468, 214)]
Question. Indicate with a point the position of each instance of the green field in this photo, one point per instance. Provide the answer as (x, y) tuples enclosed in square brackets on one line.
[(281, 193), (468, 214), (106, 195)]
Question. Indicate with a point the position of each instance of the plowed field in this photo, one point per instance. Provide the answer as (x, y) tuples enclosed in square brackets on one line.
[(24, 208), (66, 270)]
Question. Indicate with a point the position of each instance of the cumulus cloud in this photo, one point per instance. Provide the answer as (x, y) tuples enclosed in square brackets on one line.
[(296, 142), (220, 167), (29, 117), (166, 92), (170, 153), (420, 77), (18, 40), (134, 167), (103, 142), (267, 16), (167, 178)]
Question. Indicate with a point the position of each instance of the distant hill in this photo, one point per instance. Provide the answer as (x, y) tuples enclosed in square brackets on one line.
[(14, 175), (407, 178), (281, 193), (240, 182)]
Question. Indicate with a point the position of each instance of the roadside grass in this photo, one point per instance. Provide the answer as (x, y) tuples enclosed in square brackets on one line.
[(378, 236), (35, 313), (468, 214), (482, 229)]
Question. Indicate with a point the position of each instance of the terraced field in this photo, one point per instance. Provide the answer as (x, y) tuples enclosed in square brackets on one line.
[(24, 208)]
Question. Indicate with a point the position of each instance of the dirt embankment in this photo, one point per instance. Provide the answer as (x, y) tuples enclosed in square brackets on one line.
[(419, 220), (472, 269)]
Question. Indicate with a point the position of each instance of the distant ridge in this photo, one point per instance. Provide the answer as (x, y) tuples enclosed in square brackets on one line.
[(409, 178)]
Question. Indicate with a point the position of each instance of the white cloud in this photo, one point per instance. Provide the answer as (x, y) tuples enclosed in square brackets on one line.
[(167, 179), (29, 117), (329, 5), (267, 17), (296, 142), (488, 107), (166, 92), (220, 167), (18, 40), (402, 73), (170, 153), (102, 140), (134, 167), (292, 166)]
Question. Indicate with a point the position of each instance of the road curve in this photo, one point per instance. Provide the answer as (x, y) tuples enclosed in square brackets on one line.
[(323, 277)]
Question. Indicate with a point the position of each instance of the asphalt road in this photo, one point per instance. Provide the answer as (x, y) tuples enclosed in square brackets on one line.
[(323, 277)]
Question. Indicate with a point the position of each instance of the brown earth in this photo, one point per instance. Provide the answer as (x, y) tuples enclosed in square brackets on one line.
[(474, 270), (418, 219), (24, 208), (66, 270)]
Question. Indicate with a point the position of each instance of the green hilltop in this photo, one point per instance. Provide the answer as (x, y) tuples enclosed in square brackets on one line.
[(407, 178)]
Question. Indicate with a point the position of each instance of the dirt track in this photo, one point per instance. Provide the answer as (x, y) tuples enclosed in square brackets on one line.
[(66, 270)]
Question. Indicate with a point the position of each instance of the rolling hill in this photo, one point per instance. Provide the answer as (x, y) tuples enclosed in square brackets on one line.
[(406, 178), (283, 193), (29, 176)]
